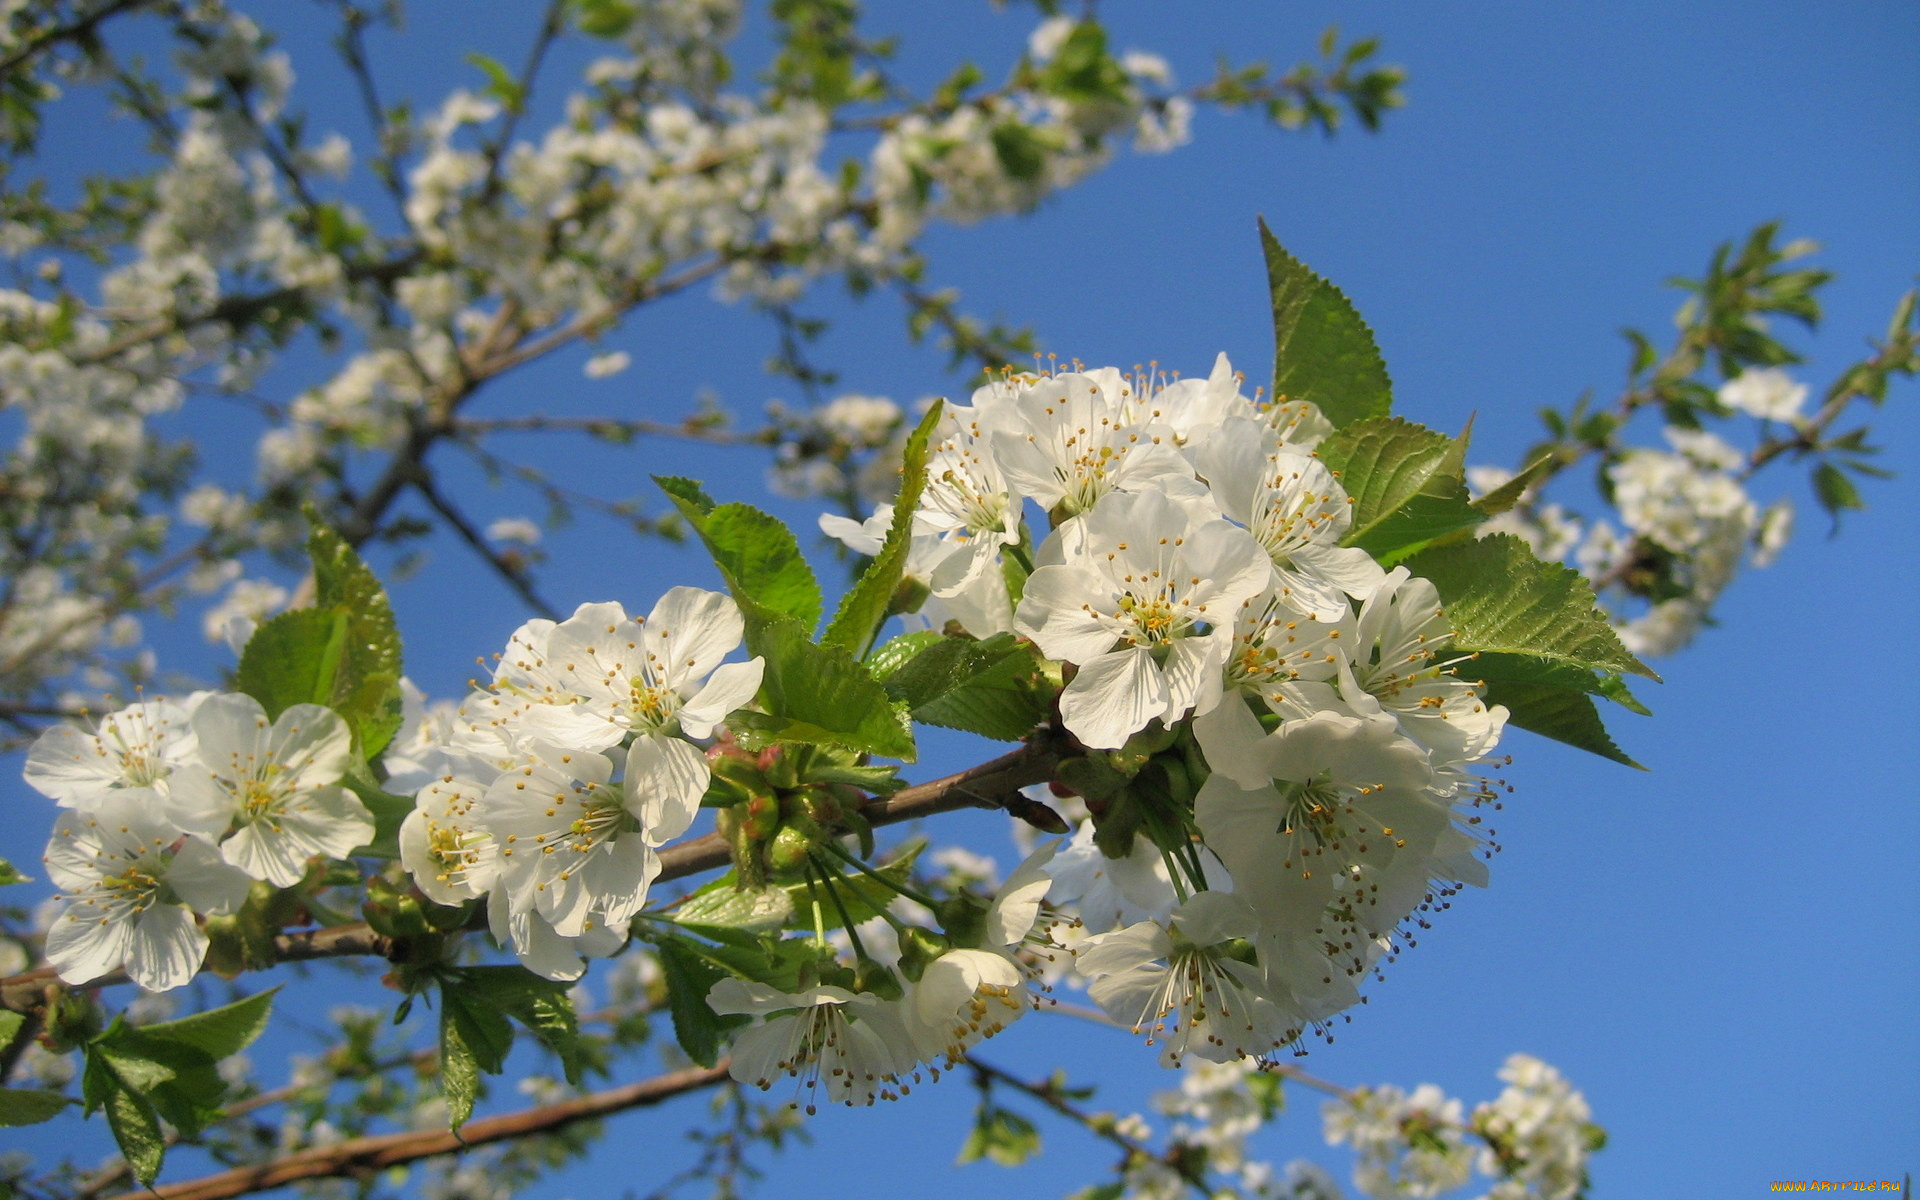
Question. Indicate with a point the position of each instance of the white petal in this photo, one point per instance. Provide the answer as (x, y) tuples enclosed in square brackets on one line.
[(732, 686), (1113, 697), (82, 946), (665, 779), (700, 628), (209, 885), (167, 948)]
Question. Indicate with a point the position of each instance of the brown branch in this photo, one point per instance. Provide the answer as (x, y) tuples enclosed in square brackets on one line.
[(989, 785), (365, 1155), (80, 28)]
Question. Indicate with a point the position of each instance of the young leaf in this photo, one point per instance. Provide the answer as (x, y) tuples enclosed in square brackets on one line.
[(1558, 713), (219, 1032), (995, 688), (722, 905), (819, 694), (756, 554), (1323, 351), (474, 1040), (30, 1106), (542, 1005), (689, 977), (1385, 464), (367, 690), (136, 1129), (868, 604), (11, 874), (1508, 494), (1500, 597), (293, 658)]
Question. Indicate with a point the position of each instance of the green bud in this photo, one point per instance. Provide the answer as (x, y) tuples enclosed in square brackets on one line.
[(964, 918), (870, 976), (919, 946), (789, 852)]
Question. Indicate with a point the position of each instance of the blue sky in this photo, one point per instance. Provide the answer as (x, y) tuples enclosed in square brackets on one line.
[(1720, 950)]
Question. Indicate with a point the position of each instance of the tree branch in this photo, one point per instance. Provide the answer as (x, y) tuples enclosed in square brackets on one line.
[(364, 1155)]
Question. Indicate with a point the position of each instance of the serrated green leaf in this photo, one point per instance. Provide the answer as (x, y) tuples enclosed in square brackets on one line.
[(1323, 351), (11, 874), (1004, 701), (689, 978), (1500, 597), (175, 1078), (1550, 673), (30, 1106), (892, 654), (1503, 498), (1558, 713), (757, 555), (869, 602), (944, 665), (1392, 469), (474, 1040), (1426, 520), (729, 907), (220, 1032), (136, 1129), (819, 694), (366, 690), (542, 1005), (293, 658)]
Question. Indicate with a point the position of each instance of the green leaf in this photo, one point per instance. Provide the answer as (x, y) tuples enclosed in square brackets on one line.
[(997, 688), (180, 1081), (367, 690), (869, 602), (1404, 480), (1494, 667), (220, 1032), (501, 85), (722, 905), (30, 1106), (474, 1040), (943, 665), (1503, 498), (1500, 597), (389, 813), (542, 1005), (1002, 1136), (11, 874), (757, 555), (136, 1129), (1323, 351), (605, 18), (1835, 491), (293, 658), (819, 694), (1558, 713), (888, 657), (689, 977)]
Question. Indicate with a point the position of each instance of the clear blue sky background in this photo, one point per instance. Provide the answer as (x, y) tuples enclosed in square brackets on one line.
[(1721, 951)]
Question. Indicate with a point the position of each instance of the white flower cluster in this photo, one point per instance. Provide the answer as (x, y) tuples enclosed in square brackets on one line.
[(1689, 506), (172, 808), (551, 790), (1194, 570), (1536, 1137)]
